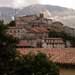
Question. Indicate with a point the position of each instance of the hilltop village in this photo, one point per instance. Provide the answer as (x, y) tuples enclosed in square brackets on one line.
[(26, 37), (37, 31)]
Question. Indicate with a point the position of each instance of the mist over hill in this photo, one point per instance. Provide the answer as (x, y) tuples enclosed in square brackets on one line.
[(57, 13)]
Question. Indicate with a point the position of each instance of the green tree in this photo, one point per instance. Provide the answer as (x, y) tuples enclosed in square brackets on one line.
[(55, 34), (36, 65), (66, 36), (12, 23), (7, 51)]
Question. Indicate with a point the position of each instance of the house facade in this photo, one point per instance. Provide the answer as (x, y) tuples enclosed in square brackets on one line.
[(16, 32), (53, 43)]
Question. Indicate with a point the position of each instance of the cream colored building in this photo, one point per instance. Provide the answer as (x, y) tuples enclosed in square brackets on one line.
[(53, 43)]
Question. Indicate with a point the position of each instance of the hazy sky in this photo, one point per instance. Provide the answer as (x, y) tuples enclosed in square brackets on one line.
[(22, 3)]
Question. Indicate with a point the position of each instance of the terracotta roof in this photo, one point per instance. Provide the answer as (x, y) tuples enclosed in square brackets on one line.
[(42, 29), (63, 56), (39, 29), (58, 55), (23, 43)]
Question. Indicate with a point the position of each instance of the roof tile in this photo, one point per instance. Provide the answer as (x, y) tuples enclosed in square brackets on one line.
[(62, 56)]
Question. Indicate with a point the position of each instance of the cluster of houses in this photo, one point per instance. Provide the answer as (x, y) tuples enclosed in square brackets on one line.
[(33, 34), (33, 31)]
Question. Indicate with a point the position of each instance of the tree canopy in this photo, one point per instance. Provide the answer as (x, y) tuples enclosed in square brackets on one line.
[(12, 23), (36, 65), (7, 51), (65, 36)]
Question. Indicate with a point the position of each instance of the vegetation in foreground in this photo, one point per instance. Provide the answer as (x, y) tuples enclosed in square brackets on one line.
[(38, 64)]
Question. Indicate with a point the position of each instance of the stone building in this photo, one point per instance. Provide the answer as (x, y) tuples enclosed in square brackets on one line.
[(24, 20), (17, 32), (57, 26), (35, 35)]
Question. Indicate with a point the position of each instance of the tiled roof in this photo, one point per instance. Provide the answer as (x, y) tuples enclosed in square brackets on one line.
[(12, 27), (23, 43), (64, 56), (39, 29), (58, 55)]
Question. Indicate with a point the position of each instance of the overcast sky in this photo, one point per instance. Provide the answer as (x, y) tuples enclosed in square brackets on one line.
[(22, 3)]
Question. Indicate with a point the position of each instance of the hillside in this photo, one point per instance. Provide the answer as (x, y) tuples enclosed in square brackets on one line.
[(62, 14)]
